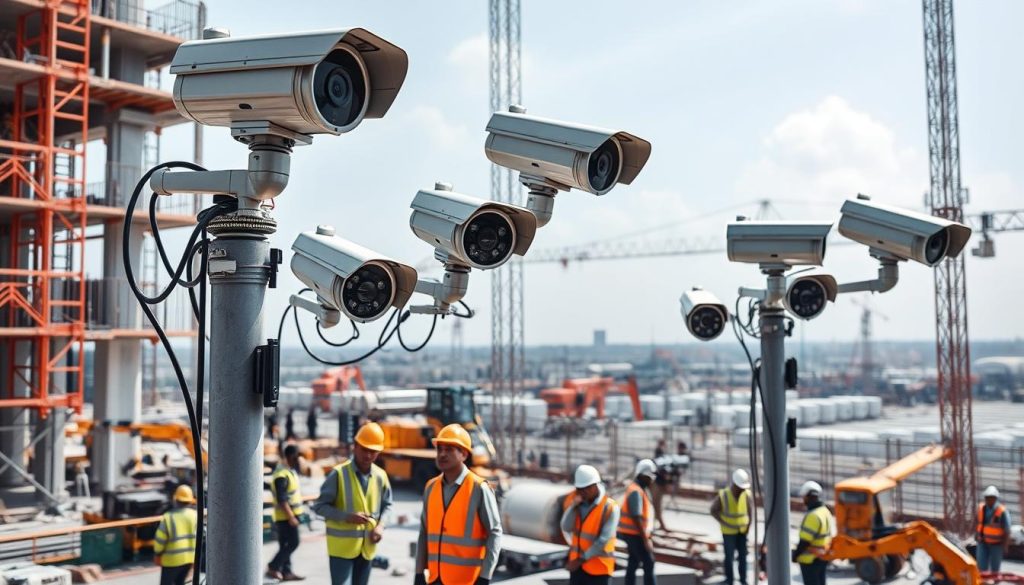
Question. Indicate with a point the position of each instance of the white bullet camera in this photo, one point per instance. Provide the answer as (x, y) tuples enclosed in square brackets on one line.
[(322, 82), (902, 234), (777, 243), (553, 155), (807, 295), (345, 276), (474, 232), (704, 314)]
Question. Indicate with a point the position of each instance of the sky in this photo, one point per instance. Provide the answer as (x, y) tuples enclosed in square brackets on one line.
[(800, 102)]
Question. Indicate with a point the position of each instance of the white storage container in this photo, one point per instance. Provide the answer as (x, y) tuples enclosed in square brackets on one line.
[(925, 436), (653, 407), (683, 417), (723, 417), (844, 408), (861, 407), (792, 396), (874, 406), (827, 414), (810, 412)]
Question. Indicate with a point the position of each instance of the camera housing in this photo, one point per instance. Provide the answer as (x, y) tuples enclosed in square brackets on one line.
[(808, 295), (345, 276), (319, 82), (704, 314), (777, 242), (474, 232), (900, 233)]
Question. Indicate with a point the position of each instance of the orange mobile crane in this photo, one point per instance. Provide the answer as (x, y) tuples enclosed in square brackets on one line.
[(337, 379), (576, 395)]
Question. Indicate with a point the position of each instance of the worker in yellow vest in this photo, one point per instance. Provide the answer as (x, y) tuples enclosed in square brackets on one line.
[(636, 524), (815, 535), (590, 523), (733, 510), (354, 499), (287, 509), (993, 531), (460, 527), (175, 541)]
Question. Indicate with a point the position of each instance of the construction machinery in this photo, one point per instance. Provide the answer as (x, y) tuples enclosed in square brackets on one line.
[(175, 432), (879, 550), (336, 380), (577, 395)]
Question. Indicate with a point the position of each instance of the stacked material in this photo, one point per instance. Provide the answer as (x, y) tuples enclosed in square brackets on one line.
[(529, 413)]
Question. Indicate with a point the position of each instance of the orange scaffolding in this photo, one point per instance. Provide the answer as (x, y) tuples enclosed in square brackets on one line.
[(42, 282)]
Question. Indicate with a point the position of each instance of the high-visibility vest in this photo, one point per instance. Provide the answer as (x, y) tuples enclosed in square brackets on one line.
[(346, 540), (456, 538), (175, 539), (627, 521), (586, 531), (733, 517), (292, 496), (816, 529), (993, 532)]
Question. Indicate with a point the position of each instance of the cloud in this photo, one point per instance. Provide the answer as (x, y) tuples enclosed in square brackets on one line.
[(833, 151), (470, 56), (441, 131)]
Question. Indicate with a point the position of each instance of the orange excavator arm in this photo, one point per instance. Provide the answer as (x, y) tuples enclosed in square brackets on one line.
[(634, 398), (913, 463)]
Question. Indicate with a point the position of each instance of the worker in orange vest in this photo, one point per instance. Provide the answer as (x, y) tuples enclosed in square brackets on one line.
[(636, 524), (590, 523), (460, 526), (993, 533)]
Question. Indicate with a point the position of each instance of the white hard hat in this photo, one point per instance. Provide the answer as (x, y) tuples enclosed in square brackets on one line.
[(991, 492), (586, 476), (810, 487), (741, 479), (646, 467)]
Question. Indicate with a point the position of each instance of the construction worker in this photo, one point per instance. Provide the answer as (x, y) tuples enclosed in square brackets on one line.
[(590, 523), (175, 541), (993, 533), (636, 524), (815, 535), (287, 509), (460, 526), (733, 510), (354, 499)]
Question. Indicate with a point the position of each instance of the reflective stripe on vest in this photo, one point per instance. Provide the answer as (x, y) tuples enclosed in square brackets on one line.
[(627, 521), (734, 518), (993, 532), (347, 540), (175, 539), (294, 497), (816, 529), (588, 530), (456, 538)]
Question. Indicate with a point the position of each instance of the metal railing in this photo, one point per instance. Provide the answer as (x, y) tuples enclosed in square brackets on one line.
[(58, 544), (110, 304), (184, 19)]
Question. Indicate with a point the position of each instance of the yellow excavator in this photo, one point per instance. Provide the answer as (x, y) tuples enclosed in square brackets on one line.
[(879, 550)]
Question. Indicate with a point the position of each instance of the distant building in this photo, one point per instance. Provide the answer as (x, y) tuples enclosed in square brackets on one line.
[(600, 338)]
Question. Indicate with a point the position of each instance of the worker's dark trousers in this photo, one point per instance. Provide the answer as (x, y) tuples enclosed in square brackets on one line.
[(735, 544), (350, 571), (639, 556), (288, 540), (174, 575), (581, 577), (814, 573)]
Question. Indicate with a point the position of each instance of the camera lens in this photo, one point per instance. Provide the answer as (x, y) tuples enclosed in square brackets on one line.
[(488, 238), (706, 322), (339, 88), (368, 292), (807, 298), (936, 246), (603, 167)]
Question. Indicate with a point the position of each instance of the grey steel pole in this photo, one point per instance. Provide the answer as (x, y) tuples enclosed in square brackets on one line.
[(776, 456), (239, 274)]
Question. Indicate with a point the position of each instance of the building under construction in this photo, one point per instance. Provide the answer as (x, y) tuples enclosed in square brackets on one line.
[(82, 111)]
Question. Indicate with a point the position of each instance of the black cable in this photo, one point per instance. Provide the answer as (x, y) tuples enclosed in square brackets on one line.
[(425, 341), (467, 315), (353, 337), (144, 302), (382, 340)]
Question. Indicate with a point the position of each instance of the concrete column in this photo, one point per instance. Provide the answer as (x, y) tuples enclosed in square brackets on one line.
[(48, 455), (14, 422)]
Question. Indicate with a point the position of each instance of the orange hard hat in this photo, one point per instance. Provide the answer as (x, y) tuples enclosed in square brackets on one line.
[(184, 495), (371, 436), (454, 434)]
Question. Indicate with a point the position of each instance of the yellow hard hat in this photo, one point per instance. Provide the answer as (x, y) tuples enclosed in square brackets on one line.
[(184, 495), (454, 434), (371, 436)]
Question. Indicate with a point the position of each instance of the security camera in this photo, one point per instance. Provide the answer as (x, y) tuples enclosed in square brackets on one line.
[(806, 296), (348, 277), (901, 234), (477, 233), (553, 155), (704, 314), (323, 82), (777, 243)]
